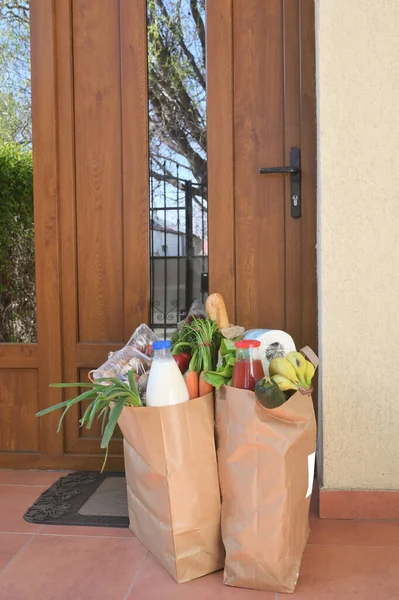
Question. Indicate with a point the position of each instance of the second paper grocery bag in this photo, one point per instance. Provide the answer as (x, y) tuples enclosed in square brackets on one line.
[(173, 488), (266, 463)]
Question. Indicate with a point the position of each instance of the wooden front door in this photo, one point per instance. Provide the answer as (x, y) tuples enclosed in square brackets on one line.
[(261, 103), (90, 143)]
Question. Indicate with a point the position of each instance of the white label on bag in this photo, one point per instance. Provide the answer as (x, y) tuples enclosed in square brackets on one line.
[(311, 462)]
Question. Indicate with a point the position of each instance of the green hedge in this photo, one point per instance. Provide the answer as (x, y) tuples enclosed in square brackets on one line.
[(17, 256)]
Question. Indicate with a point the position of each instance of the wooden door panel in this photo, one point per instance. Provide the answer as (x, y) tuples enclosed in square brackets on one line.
[(98, 150), (259, 142), (19, 427), (268, 101), (135, 165), (106, 227), (19, 356)]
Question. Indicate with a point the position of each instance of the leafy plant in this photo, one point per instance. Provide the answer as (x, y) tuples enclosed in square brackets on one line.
[(202, 338), (17, 257), (224, 373), (15, 81), (108, 397)]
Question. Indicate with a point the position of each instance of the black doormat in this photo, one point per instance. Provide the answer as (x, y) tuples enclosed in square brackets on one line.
[(83, 498)]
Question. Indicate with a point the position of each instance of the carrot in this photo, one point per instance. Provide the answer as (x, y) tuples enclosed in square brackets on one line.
[(192, 383), (204, 387)]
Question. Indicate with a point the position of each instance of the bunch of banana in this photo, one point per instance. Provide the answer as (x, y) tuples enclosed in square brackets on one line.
[(293, 372)]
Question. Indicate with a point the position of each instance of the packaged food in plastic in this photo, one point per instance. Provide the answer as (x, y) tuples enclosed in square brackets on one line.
[(197, 309), (121, 362), (233, 333), (142, 339), (135, 356)]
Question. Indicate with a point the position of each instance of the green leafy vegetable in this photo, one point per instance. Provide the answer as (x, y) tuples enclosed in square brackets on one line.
[(215, 379), (202, 339), (108, 397), (224, 373), (112, 421)]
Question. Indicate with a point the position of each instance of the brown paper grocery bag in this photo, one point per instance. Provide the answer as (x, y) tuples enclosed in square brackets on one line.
[(266, 467), (173, 487)]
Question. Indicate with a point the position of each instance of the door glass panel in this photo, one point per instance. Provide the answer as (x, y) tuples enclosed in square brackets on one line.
[(17, 256), (178, 159)]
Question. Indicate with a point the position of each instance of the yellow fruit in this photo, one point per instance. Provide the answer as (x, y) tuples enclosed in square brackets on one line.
[(281, 366), (309, 372), (299, 363), (284, 384)]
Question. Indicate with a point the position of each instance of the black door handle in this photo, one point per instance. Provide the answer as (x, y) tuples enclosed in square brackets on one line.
[(267, 170), (294, 170)]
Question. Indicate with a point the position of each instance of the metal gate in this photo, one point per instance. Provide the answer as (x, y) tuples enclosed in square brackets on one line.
[(178, 245)]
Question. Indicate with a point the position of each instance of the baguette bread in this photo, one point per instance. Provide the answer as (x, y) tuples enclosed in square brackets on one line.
[(216, 310)]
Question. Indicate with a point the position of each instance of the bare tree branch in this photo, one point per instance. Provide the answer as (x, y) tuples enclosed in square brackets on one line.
[(180, 37), (199, 23), (177, 83), (175, 137), (162, 79)]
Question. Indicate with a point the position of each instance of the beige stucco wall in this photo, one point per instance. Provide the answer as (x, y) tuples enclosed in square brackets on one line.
[(358, 246)]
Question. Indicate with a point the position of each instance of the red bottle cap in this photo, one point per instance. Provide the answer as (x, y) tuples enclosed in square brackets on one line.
[(248, 344)]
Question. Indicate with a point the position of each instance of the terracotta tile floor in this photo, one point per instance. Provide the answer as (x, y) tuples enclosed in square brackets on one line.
[(345, 560)]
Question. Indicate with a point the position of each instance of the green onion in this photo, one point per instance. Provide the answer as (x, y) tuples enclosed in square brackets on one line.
[(108, 397), (203, 338)]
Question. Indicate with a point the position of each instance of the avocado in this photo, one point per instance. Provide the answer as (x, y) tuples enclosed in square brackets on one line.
[(268, 393)]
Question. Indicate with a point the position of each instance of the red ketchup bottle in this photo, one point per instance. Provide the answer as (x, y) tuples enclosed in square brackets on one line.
[(248, 368)]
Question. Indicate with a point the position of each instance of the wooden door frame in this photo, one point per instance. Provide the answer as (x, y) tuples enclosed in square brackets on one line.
[(220, 140), (45, 356), (220, 123)]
